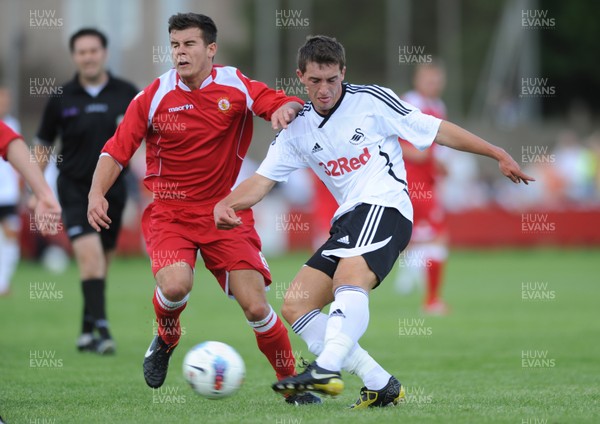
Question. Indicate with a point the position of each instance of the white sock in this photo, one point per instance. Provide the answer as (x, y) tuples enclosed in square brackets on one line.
[(9, 258), (167, 304), (348, 321), (266, 323), (372, 374), (311, 328), (411, 274), (435, 252)]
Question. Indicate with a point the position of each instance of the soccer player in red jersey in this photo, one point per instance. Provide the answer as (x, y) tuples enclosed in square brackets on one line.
[(428, 245), (197, 123), (14, 150)]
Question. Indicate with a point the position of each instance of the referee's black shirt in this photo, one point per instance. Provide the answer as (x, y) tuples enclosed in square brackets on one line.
[(84, 124)]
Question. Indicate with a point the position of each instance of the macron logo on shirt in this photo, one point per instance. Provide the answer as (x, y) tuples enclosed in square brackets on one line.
[(180, 108)]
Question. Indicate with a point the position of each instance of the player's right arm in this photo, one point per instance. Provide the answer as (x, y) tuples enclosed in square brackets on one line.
[(282, 159), (16, 152), (106, 173), (116, 154), (247, 194)]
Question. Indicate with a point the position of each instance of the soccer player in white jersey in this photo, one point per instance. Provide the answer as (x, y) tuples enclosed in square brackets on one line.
[(348, 134)]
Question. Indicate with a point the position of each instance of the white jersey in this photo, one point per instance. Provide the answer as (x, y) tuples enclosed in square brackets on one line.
[(354, 149)]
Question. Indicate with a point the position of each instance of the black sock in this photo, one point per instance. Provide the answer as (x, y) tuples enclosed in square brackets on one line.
[(93, 290), (87, 325)]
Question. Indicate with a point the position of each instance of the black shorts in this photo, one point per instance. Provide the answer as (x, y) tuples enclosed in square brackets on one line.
[(7, 210), (377, 233), (73, 197)]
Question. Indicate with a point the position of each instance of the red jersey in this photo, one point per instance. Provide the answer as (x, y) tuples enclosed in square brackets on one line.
[(195, 139), (6, 136), (421, 175)]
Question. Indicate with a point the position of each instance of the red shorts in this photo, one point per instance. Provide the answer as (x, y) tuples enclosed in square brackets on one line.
[(429, 220), (175, 233)]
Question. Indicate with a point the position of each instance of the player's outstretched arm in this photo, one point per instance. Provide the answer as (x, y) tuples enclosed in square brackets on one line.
[(41, 156), (458, 138), (105, 175), (47, 209), (285, 114), (247, 194)]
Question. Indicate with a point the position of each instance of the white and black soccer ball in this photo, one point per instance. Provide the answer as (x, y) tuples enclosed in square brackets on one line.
[(214, 369)]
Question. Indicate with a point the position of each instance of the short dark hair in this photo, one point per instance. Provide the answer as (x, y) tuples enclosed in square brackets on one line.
[(323, 50), (206, 25), (83, 32)]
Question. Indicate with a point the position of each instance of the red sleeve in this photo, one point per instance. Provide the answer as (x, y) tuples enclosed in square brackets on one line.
[(6, 136), (265, 99), (133, 128)]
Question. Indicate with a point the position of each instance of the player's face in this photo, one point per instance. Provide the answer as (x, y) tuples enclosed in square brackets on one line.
[(191, 57), (430, 82), (89, 57), (323, 83)]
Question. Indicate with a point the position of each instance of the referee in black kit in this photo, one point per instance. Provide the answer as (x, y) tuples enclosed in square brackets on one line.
[(85, 116)]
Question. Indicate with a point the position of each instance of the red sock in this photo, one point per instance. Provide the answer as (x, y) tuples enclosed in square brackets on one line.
[(167, 317), (434, 281), (275, 345)]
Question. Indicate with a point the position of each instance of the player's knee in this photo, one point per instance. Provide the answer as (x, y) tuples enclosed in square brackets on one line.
[(175, 290), (91, 267), (175, 282), (292, 309), (287, 312), (256, 311)]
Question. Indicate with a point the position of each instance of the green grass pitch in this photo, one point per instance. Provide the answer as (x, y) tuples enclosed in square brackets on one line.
[(522, 345)]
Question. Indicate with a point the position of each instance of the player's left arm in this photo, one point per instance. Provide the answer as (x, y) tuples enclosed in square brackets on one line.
[(244, 196), (458, 138), (285, 114), (269, 104)]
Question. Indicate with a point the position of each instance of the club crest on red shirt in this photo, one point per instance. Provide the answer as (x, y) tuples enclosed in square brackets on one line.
[(223, 104)]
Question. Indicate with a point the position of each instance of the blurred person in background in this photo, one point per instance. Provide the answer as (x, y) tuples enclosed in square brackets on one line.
[(593, 142), (575, 168), (85, 116), (427, 252), (10, 223)]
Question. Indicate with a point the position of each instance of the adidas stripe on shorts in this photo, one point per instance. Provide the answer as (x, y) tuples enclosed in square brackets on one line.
[(377, 233)]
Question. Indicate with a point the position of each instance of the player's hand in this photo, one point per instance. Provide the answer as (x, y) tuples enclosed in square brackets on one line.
[(46, 214), (32, 202), (225, 217), (97, 212), (285, 114), (512, 171)]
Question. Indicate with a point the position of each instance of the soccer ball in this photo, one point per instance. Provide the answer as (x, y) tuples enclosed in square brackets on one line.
[(214, 369)]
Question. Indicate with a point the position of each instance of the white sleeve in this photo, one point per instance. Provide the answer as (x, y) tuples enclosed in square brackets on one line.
[(282, 159), (406, 121)]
